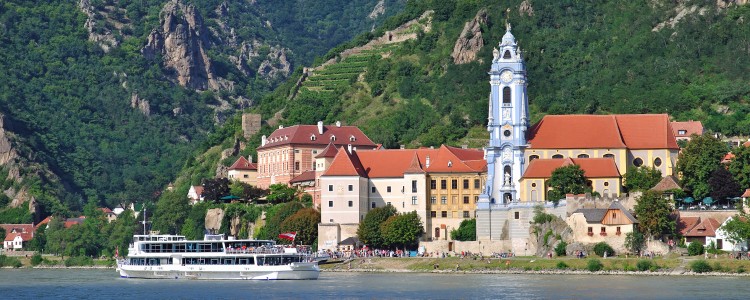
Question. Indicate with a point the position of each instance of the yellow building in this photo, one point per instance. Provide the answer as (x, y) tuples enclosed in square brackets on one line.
[(244, 170), (602, 174)]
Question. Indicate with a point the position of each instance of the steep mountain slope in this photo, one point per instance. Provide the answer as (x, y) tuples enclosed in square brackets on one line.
[(686, 58), (104, 101)]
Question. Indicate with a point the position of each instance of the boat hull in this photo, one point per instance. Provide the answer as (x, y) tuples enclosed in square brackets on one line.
[(303, 271)]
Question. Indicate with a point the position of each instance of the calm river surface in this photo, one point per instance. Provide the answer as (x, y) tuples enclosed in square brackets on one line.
[(106, 284)]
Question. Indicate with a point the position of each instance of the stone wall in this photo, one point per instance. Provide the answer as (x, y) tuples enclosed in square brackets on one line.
[(575, 202), (484, 247), (250, 124)]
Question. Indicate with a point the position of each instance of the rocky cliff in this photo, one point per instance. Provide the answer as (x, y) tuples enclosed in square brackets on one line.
[(470, 42), (182, 41)]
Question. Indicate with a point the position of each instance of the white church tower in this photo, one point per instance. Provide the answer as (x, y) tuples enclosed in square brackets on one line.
[(507, 123)]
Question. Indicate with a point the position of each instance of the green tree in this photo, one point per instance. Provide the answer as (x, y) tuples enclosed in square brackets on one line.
[(402, 230), (281, 193), (171, 212), (92, 234), (194, 227), (369, 229), (701, 156), (305, 223), (654, 215), (635, 242), (274, 217), (214, 189), (566, 180), (723, 185), (738, 228), (740, 166), (246, 191), (56, 238), (467, 231), (121, 234), (641, 178)]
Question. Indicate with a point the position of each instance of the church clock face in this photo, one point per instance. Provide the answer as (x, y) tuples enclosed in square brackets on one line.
[(506, 76)]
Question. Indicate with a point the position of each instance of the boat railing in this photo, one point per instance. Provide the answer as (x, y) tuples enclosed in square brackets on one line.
[(259, 250)]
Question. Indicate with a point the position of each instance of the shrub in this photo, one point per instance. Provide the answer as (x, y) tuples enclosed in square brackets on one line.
[(627, 267), (6, 261), (695, 249), (700, 266), (741, 269), (594, 265), (79, 261), (644, 265), (36, 259), (560, 248), (719, 268), (562, 265), (601, 247)]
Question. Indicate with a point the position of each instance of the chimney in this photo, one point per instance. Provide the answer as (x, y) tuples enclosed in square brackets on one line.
[(250, 158), (402, 147), (464, 146), (427, 162), (338, 123), (349, 148), (320, 127), (281, 126), (263, 141), (432, 147)]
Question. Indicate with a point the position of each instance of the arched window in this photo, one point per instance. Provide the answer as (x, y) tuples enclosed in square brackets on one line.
[(506, 55), (637, 162), (507, 197), (533, 157), (507, 174), (583, 155), (609, 155), (506, 95), (557, 156), (312, 137), (657, 162), (333, 138)]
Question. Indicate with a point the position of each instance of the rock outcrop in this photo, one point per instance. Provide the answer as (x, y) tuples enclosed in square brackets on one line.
[(470, 42), (377, 11), (727, 3), (98, 33), (140, 104), (183, 41), (213, 219), (276, 64), (544, 237), (525, 8)]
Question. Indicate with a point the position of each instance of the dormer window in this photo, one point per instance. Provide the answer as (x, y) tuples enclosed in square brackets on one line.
[(352, 138), (682, 132), (312, 137), (450, 164), (333, 138)]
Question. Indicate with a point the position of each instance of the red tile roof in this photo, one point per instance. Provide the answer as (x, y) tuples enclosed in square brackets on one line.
[(198, 189), (309, 135), (414, 167), (395, 162), (106, 210), (648, 131), (697, 226), (305, 176), (26, 231), (746, 194), (690, 128), (243, 164), (329, 151), (345, 164), (592, 167)]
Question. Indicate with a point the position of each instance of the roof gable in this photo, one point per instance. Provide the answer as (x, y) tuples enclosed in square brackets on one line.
[(243, 164), (667, 183), (687, 128), (345, 164), (329, 152)]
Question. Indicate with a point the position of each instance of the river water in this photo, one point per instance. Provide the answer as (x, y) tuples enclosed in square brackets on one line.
[(106, 284)]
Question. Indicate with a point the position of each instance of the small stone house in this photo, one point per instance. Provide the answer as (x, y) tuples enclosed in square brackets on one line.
[(610, 225)]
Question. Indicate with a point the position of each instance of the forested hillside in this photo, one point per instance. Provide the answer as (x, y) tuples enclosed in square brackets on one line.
[(105, 101), (686, 58)]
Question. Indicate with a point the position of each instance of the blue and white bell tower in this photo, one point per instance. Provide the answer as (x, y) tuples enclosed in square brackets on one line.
[(507, 123)]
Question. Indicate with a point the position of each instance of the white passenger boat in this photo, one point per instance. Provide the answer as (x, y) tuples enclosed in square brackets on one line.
[(214, 257)]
